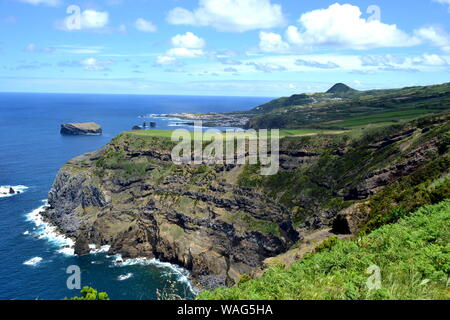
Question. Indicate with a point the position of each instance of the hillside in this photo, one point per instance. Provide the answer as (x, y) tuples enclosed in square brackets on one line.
[(412, 256), (223, 221), (340, 88), (344, 108)]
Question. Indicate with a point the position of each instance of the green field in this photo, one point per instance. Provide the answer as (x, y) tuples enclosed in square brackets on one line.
[(384, 118), (412, 255), (283, 133)]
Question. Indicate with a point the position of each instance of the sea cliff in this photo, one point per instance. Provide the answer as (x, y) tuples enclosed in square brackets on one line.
[(224, 221)]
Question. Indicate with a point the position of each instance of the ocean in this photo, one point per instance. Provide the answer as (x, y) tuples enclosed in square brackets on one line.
[(33, 265)]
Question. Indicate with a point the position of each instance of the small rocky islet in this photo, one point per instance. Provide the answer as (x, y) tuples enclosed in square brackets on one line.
[(8, 191), (77, 129)]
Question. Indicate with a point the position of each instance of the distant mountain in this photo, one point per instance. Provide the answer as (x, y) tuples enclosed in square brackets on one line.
[(340, 88), (343, 107)]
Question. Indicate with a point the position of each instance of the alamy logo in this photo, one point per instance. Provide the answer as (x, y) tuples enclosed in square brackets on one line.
[(235, 147), (74, 280), (374, 281)]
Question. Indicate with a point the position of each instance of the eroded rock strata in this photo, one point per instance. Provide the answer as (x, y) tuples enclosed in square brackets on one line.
[(223, 221), (195, 216)]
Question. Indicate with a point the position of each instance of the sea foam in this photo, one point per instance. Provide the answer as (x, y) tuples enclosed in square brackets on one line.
[(181, 274), (33, 261), (124, 276), (4, 190), (46, 231), (49, 232), (94, 250)]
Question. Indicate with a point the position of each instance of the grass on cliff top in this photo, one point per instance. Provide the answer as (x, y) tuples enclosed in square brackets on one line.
[(283, 133), (413, 256)]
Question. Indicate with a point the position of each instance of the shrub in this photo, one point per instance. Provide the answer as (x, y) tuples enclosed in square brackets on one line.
[(88, 293)]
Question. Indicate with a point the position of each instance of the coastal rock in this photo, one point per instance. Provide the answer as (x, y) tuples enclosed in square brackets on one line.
[(179, 214), (11, 191), (131, 196), (82, 245), (89, 128)]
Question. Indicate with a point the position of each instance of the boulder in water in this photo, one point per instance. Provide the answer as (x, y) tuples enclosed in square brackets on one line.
[(11, 191)]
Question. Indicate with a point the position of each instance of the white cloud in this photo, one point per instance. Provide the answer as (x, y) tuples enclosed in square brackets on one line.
[(316, 65), (32, 47), (186, 45), (165, 60), (267, 67), (188, 40), (433, 60), (272, 42), (185, 52), (381, 60), (89, 20), (230, 15), (92, 64), (144, 25), (342, 26), (50, 3), (437, 37)]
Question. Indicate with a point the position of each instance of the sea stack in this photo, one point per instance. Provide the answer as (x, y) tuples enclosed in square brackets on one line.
[(88, 128)]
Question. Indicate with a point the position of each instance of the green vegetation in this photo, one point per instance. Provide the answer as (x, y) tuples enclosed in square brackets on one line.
[(413, 256), (349, 109), (88, 293), (152, 133), (428, 185), (250, 223), (283, 133), (328, 183)]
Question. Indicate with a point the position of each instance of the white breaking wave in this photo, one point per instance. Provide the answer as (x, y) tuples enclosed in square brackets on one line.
[(4, 190), (102, 249), (181, 273), (174, 124), (159, 116), (33, 261), (124, 276), (50, 233), (46, 231)]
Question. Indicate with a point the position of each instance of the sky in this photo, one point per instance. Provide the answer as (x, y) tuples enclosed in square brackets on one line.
[(221, 47)]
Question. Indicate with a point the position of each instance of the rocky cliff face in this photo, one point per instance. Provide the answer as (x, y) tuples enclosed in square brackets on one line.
[(223, 221), (130, 196)]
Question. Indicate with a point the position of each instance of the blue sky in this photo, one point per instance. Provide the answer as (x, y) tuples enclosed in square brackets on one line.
[(221, 47)]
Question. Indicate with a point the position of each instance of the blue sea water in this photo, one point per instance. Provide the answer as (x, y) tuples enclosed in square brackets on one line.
[(32, 151)]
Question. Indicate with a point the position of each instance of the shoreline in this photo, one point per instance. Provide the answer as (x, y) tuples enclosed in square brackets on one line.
[(66, 246), (232, 120)]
